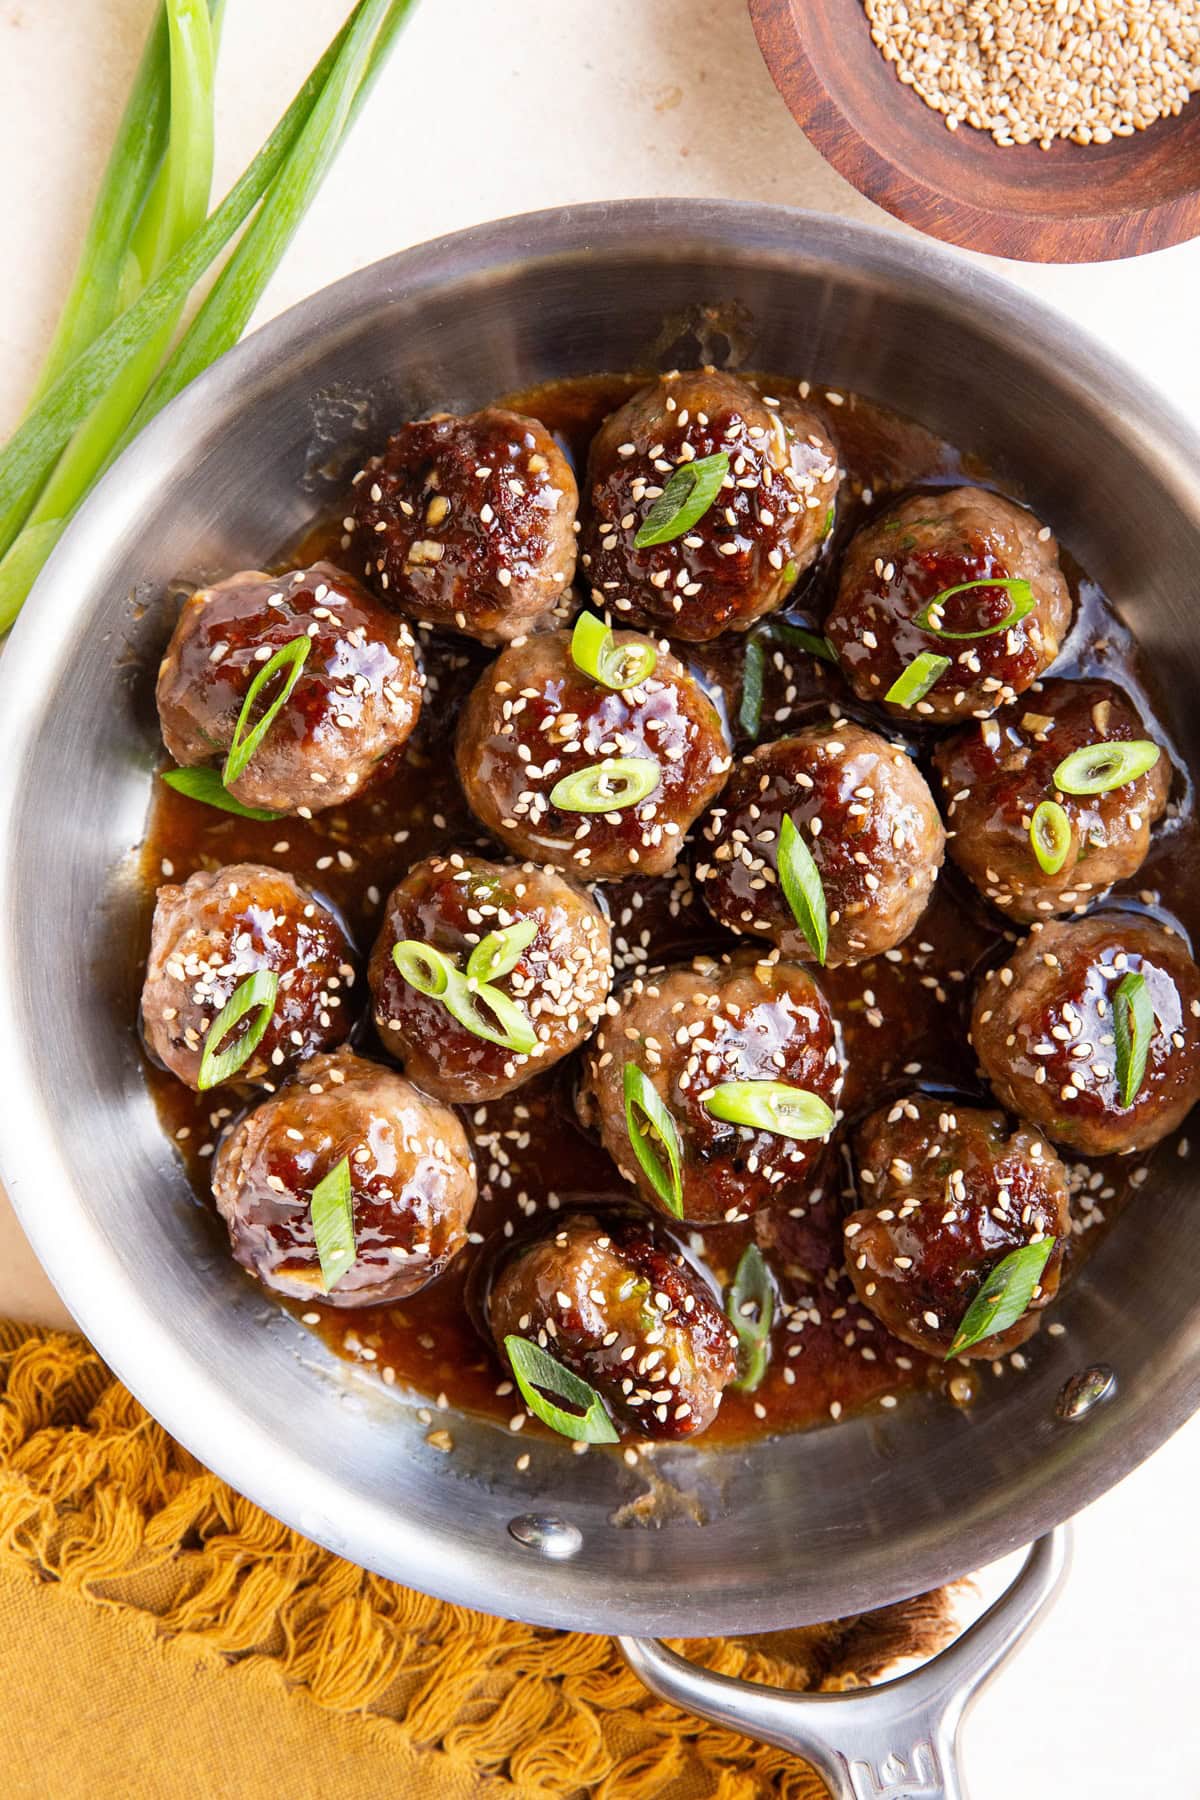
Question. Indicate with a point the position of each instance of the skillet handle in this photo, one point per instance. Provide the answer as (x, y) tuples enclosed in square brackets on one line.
[(898, 1741)]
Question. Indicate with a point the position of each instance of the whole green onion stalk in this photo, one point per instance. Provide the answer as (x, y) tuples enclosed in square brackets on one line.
[(110, 367)]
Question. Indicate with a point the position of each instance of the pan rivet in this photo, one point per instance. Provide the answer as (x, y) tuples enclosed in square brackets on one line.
[(546, 1533), (1085, 1390)]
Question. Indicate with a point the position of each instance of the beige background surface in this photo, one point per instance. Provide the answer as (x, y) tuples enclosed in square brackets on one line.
[(492, 108)]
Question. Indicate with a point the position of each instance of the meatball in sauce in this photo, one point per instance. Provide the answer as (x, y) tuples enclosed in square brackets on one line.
[(559, 976), (948, 1192), (995, 775), (1045, 1029), (771, 512), (208, 935), (864, 812), (353, 706), (903, 560), (468, 524), (600, 781), (411, 1174), (617, 1304), (744, 1019)]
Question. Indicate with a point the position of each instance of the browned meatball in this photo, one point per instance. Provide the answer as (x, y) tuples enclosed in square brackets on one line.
[(902, 560), (865, 813), (1043, 1030), (696, 1028), (534, 719), (618, 1305), (950, 1191), (209, 935), (559, 980), (742, 557), (351, 710), (995, 774), (469, 524), (412, 1182)]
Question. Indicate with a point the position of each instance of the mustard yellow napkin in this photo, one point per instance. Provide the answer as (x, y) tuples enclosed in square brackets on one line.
[(161, 1638)]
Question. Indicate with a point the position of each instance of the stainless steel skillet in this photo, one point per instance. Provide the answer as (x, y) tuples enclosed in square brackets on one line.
[(804, 1528)]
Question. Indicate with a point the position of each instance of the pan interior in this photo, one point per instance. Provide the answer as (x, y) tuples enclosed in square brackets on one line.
[(805, 1527)]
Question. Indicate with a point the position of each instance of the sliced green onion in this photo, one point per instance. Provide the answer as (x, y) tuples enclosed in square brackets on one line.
[(291, 657), (434, 973), (1021, 603), (754, 668), (914, 682), (829, 519), (777, 1106), (594, 650), (791, 573), (607, 786), (206, 786), (800, 880), (1097, 768), (751, 1311), (784, 632), (217, 1065), (499, 952), (1133, 1029), (332, 1212), (509, 1026), (687, 497), (534, 1369), (1004, 1297), (424, 968), (1050, 836), (644, 1110)]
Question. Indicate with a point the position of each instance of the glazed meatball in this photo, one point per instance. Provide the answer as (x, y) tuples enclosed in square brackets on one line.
[(901, 561), (209, 935), (742, 556), (618, 1305), (412, 1182), (995, 774), (534, 719), (469, 524), (950, 1190), (865, 813), (560, 977), (353, 707), (696, 1028), (1043, 1029)]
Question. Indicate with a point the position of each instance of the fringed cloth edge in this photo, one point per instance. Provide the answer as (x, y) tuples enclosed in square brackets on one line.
[(96, 1497)]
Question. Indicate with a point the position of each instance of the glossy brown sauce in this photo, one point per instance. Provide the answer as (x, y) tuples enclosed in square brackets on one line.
[(904, 1015)]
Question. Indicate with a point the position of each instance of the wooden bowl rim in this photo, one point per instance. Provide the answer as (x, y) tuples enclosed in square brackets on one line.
[(913, 199)]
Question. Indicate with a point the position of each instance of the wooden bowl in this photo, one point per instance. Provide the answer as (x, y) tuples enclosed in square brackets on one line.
[(1071, 203)]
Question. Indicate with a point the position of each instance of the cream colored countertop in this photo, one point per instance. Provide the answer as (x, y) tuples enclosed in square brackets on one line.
[(490, 109)]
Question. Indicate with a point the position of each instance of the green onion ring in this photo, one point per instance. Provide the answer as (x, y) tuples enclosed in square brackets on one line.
[(463, 1002), (206, 786), (1098, 768), (331, 1210), (292, 657), (752, 1289), (535, 1368), (1021, 604), (217, 1065), (685, 499), (914, 682), (595, 652), (591, 790), (642, 1098), (423, 967), (1050, 836)]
